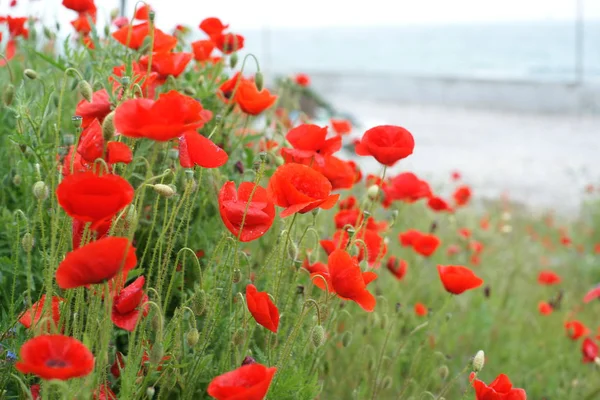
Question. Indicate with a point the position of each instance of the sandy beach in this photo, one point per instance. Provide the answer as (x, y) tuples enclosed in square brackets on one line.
[(542, 160)]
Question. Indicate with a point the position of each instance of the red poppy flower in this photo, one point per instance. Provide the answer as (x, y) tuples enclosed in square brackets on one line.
[(16, 27), (103, 392), (166, 64), (34, 314), (575, 329), (409, 237), (589, 349), (386, 143), (228, 42), (126, 307), (348, 281), (195, 149), (133, 37), (548, 278), (484, 223), (339, 172), (339, 241), (249, 382), (98, 109), (35, 392), (341, 126), (226, 90), (421, 310), (118, 365), (458, 279), (426, 244), (92, 198), (346, 217), (96, 262), (475, 246), (82, 24), (500, 389), (406, 187), (464, 232), (302, 80), (251, 100), (81, 6), (592, 294), (348, 203), (202, 49), (212, 26), (262, 308), (170, 116), (55, 357), (545, 308), (143, 12), (452, 250), (397, 267), (462, 195), (439, 204), (309, 143), (455, 176), (234, 204), (375, 246), (316, 268), (99, 230), (299, 188), (91, 146)]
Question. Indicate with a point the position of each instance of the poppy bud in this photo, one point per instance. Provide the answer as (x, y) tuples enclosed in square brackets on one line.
[(164, 190), (279, 161), (27, 242), (347, 338), (373, 192), (86, 90), (48, 33), (68, 139), (318, 336), (114, 13), (292, 250), (324, 312), (192, 337), (238, 337), (478, 361), (9, 94), (108, 127), (16, 180), (31, 74), (173, 154), (151, 15), (40, 190), (237, 275), (248, 361), (190, 91), (233, 60), (156, 353), (106, 30), (259, 80), (386, 383), (315, 211), (150, 392), (239, 167), (444, 372), (199, 304)]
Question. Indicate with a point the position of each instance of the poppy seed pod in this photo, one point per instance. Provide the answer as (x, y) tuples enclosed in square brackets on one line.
[(9, 94), (27, 242), (259, 80), (164, 190), (86, 90), (318, 336), (108, 127), (478, 361), (192, 337), (31, 74), (40, 190)]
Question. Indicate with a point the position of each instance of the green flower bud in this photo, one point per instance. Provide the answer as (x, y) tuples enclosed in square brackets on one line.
[(16, 180), (8, 95), (114, 13), (192, 337), (40, 190), (164, 190), (156, 354), (31, 74), (478, 361), (173, 154), (317, 336), (347, 338), (237, 275), (199, 304), (190, 91), (233, 60), (27, 242), (386, 383), (444, 372), (77, 121), (68, 139), (259, 80), (86, 90)]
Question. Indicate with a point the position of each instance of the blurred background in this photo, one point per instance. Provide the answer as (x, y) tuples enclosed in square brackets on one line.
[(506, 92)]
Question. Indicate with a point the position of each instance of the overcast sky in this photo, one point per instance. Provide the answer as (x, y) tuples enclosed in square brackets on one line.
[(246, 14)]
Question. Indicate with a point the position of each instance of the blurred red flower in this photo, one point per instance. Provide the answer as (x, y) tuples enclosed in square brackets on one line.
[(589, 349), (249, 382), (96, 262), (228, 42), (212, 26), (134, 36), (234, 204), (340, 173), (406, 187), (409, 237), (33, 315), (575, 329), (397, 267), (299, 188), (341, 126), (55, 357), (548, 278), (310, 143), (421, 310), (439, 204), (426, 244), (462, 195), (262, 308), (458, 279), (143, 12), (98, 108), (81, 6), (251, 100), (170, 116), (386, 143), (545, 308), (202, 49), (165, 64), (302, 80)]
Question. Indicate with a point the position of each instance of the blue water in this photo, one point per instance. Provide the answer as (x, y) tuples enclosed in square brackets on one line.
[(539, 51)]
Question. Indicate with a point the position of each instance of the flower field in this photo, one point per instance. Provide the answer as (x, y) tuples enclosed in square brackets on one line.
[(175, 228)]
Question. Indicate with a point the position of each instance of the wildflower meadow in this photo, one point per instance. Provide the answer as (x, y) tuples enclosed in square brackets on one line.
[(175, 227)]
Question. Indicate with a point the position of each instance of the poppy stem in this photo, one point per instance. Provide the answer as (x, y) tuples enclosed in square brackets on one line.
[(451, 381), (380, 362), (284, 250)]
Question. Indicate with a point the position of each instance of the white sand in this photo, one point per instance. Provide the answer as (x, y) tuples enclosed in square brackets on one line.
[(544, 161)]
